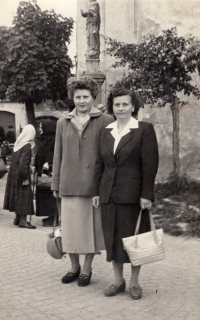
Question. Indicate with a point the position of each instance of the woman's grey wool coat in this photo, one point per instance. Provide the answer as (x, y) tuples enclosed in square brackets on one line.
[(74, 160)]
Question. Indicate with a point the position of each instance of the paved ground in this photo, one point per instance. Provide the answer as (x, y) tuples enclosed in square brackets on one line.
[(30, 286)]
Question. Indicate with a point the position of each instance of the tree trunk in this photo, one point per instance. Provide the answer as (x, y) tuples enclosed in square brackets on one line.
[(30, 112), (175, 137)]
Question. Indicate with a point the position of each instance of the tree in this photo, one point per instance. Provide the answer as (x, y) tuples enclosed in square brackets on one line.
[(160, 68), (34, 65)]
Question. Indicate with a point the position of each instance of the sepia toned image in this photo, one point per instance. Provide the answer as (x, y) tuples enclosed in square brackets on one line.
[(99, 159)]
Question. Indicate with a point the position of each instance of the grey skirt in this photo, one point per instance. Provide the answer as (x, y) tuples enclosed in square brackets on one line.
[(81, 225)]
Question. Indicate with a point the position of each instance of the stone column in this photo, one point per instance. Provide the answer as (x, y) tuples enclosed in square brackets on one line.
[(92, 71)]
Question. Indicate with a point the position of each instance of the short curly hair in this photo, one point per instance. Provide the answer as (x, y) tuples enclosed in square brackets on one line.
[(121, 91), (82, 84)]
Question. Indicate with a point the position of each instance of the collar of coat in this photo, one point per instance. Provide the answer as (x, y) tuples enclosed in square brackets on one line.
[(132, 124), (94, 112), (120, 139)]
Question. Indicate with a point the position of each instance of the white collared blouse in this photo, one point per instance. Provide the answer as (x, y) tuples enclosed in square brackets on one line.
[(132, 124)]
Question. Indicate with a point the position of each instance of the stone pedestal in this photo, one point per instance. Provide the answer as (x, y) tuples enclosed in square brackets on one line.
[(92, 71), (92, 66)]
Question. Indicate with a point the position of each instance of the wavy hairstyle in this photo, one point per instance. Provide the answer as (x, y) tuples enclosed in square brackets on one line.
[(121, 91), (82, 84)]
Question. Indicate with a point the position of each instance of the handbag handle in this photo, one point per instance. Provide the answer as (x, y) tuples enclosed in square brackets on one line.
[(151, 224), (42, 171), (57, 214)]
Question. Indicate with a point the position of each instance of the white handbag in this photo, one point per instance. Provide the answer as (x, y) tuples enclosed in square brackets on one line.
[(145, 247)]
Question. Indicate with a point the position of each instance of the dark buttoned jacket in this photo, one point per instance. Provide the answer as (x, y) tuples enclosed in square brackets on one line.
[(130, 173)]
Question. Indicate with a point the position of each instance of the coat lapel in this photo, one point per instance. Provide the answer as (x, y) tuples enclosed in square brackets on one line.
[(124, 140), (110, 141)]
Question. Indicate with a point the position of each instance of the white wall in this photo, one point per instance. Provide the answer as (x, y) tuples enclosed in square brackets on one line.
[(20, 114)]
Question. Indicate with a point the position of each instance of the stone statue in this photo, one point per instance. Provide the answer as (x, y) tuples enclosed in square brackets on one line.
[(92, 27)]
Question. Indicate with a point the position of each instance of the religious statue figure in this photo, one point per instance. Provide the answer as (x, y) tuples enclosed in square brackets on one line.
[(92, 27)]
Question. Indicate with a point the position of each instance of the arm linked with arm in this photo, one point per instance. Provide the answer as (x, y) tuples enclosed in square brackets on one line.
[(98, 170)]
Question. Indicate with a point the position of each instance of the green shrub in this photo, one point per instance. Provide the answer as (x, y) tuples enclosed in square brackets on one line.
[(176, 185)]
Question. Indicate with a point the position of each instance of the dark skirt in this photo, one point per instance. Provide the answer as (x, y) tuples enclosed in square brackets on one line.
[(119, 221), (18, 198), (45, 202)]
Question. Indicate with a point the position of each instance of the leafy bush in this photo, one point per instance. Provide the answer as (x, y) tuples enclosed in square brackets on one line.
[(169, 216), (175, 185)]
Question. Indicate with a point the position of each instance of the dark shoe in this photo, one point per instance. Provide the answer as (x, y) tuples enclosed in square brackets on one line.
[(16, 222), (84, 279), (136, 293), (49, 222), (46, 219), (113, 289), (26, 225), (71, 276)]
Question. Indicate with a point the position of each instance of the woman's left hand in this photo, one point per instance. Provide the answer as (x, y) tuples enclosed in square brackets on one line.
[(25, 183), (145, 203)]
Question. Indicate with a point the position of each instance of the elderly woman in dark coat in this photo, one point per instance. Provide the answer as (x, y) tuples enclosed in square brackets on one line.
[(18, 193), (124, 178), (73, 165), (45, 146), (45, 202)]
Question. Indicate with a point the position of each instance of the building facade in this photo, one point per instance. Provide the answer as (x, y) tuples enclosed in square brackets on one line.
[(129, 21), (13, 113)]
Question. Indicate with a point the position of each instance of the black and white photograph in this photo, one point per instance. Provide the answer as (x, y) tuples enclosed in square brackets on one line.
[(99, 160)]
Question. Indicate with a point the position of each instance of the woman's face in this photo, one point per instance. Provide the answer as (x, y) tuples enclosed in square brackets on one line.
[(83, 100), (122, 107)]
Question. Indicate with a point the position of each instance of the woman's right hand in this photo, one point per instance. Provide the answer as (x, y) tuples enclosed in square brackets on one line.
[(56, 194), (46, 166), (96, 201)]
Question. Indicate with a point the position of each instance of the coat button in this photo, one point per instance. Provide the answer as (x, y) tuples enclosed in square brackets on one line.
[(87, 165), (84, 136)]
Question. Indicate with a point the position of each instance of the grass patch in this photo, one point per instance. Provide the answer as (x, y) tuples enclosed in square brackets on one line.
[(182, 189)]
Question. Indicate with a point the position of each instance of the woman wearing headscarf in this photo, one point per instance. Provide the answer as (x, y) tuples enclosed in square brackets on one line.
[(45, 202), (18, 193)]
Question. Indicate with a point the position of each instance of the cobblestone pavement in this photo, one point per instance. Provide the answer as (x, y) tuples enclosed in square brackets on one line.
[(30, 286)]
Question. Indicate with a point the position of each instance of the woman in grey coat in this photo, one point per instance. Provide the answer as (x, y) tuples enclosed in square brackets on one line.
[(73, 167)]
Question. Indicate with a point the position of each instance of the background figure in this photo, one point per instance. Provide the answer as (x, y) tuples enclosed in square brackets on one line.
[(124, 178), (92, 27), (2, 135), (10, 135), (2, 139), (45, 202), (18, 194), (74, 158)]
